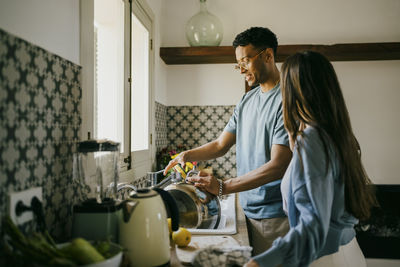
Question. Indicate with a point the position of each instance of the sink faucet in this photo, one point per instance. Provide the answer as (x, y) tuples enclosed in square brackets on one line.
[(121, 186), (172, 178), (122, 189)]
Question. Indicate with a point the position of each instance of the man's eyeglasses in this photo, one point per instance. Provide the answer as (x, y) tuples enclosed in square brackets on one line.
[(244, 62)]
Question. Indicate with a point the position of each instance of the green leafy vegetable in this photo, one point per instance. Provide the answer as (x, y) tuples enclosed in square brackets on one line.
[(40, 249)]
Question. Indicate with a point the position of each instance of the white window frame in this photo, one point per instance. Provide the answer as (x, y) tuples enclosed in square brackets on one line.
[(142, 161), (133, 165)]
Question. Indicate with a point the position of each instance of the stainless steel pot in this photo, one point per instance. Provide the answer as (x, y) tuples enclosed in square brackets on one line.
[(196, 209)]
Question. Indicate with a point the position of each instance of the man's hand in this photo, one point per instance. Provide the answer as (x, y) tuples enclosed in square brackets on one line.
[(251, 263), (180, 159), (205, 182)]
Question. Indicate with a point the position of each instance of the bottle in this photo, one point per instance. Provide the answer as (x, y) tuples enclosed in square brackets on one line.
[(204, 29)]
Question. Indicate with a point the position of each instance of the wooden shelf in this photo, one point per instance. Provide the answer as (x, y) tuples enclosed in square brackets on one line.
[(336, 52), (198, 55)]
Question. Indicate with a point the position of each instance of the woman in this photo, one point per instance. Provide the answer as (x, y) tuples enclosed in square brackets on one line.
[(325, 188)]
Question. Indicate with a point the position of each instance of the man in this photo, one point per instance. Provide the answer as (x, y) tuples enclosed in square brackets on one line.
[(262, 146)]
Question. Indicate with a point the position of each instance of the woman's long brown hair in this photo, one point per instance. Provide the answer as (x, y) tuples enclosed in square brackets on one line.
[(311, 95)]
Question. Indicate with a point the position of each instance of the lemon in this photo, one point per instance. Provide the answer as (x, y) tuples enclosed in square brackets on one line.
[(181, 237), (169, 225)]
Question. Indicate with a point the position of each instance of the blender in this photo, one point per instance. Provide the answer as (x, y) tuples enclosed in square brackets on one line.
[(96, 173)]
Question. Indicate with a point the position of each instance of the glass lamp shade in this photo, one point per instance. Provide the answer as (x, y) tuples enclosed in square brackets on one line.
[(204, 29)]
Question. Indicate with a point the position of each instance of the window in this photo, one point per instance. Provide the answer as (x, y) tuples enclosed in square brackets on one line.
[(140, 86), (141, 92), (117, 60), (109, 71)]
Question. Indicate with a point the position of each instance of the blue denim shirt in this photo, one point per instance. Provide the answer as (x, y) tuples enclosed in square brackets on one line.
[(319, 223)]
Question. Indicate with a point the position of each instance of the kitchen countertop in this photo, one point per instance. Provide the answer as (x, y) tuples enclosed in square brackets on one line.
[(241, 236)]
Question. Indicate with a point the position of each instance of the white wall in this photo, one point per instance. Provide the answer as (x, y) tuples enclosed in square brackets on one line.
[(209, 84), (50, 24), (371, 88), (294, 22), (306, 21)]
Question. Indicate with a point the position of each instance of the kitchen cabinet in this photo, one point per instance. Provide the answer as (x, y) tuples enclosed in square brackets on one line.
[(335, 52), (379, 236)]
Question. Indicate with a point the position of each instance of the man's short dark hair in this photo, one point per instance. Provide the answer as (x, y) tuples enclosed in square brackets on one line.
[(258, 37)]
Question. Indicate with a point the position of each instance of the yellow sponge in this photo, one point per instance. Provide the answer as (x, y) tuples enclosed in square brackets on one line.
[(179, 169)]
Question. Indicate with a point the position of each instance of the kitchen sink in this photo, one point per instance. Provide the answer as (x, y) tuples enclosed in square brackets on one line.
[(227, 224)]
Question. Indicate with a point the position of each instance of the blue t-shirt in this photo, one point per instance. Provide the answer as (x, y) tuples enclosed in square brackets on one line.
[(257, 123)]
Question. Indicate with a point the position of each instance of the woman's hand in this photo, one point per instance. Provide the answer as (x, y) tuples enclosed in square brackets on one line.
[(251, 263), (205, 182), (180, 159)]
